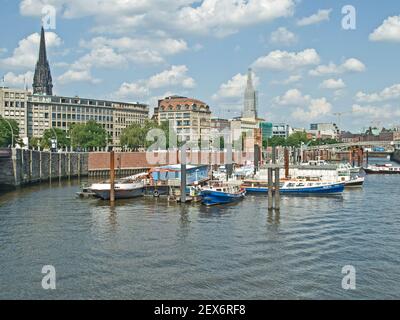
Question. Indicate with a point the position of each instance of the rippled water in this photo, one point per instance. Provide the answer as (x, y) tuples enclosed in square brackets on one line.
[(148, 249)]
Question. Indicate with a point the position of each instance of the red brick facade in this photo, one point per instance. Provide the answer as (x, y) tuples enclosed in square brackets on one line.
[(131, 160)]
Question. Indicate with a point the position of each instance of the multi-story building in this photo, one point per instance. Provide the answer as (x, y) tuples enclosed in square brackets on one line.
[(324, 130), (281, 130), (13, 105), (190, 118), (266, 130), (37, 113), (219, 125), (45, 112)]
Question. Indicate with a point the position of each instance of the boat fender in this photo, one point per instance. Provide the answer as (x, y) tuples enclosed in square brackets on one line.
[(156, 194)]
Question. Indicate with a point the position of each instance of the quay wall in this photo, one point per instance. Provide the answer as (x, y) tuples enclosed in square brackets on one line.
[(396, 156), (20, 167)]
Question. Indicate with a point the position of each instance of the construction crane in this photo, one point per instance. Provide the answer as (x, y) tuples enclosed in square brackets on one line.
[(339, 117)]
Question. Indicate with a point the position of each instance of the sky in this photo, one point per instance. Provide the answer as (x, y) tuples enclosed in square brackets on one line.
[(313, 60)]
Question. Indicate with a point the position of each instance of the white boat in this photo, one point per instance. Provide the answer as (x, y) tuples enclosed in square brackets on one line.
[(387, 168), (124, 188), (350, 167)]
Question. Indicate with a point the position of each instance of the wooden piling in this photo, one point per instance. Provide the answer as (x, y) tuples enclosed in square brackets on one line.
[(183, 175), (112, 177), (286, 163), (270, 190), (277, 190)]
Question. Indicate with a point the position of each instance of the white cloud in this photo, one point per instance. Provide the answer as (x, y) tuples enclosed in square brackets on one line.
[(307, 109), (26, 54), (77, 76), (293, 97), (316, 109), (176, 76), (283, 60), (139, 49), (386, 94), (333, 84), (290, 80), (103, 57), (3, 50), (350, 65), (234, 88), (321, 15), (215, 17), (283, 36), (18, 80), (388, 31), (373, 112)]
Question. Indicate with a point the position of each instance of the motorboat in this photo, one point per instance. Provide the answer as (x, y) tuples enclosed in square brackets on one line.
[(387, 168), (124, 188), (297, 186), (217, 192)]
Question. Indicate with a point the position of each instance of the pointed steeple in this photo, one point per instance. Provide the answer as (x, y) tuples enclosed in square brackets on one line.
[(42, 48), (42, 80), (250, 98)]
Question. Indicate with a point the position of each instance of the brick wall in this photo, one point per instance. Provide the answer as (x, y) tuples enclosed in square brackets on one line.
[(130, 160)]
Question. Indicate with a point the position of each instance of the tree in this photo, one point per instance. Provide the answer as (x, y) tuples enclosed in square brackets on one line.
[(132, 137), (295, 139), (88, 136), (34, 142), (6, 136), (135, 136), (274, 142), (62, 140)]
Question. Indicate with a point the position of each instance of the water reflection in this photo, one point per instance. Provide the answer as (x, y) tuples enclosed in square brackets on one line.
[(149, 248)]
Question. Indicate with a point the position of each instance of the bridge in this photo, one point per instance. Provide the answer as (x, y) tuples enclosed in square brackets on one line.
[(344, 146)]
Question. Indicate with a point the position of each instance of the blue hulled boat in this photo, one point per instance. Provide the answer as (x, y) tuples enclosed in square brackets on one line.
[(219, 193), (297, 187)]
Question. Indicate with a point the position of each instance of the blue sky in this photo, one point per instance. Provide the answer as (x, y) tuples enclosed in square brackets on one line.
[(307, 67)]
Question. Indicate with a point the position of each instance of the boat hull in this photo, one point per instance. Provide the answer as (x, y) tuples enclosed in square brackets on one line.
[(355, 183), (211, 198), (119, 194), (331, 189), (369, 171)]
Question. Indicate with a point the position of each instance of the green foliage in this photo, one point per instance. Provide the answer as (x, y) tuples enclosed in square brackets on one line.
[(137, 136), (319, 142), (88, 136), (5, 132), (34, 142), (295, 140), (62, 139)]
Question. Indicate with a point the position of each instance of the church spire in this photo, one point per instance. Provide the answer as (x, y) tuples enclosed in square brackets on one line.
[(42, 48), (250, 98), (42, 80)]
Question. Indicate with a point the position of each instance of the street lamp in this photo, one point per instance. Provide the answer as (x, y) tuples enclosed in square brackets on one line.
[(12, 131), (55, 145)]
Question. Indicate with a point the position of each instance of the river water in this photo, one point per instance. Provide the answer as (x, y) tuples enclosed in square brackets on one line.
[(149, 249)]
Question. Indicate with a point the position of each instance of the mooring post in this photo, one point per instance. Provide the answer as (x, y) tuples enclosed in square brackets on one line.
[(277, 191), (183, 174), (270, 190), (367, 160), (274, 155), (286, 154), (112, 177)]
